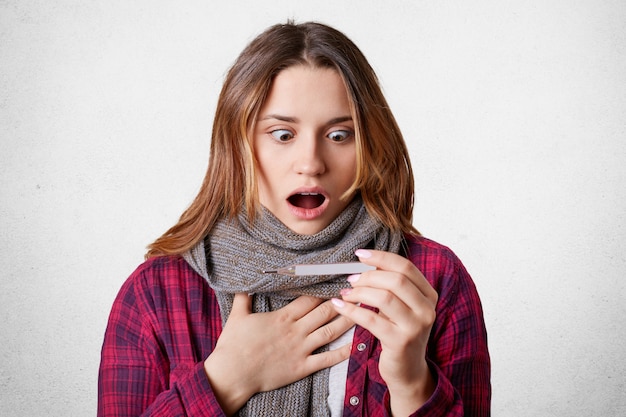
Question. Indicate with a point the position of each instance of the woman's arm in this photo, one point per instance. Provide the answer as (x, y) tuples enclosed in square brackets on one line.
[(135, 377), (458, 343), (406, 312), (165, 353), (434, 356)]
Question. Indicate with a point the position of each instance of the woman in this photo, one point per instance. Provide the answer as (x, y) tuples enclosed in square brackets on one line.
[(307, 165)]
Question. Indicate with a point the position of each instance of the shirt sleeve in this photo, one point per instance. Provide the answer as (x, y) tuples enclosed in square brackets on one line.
[(457, 353), (135, 377)]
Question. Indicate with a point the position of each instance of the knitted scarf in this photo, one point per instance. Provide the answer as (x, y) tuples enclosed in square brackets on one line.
[(236, 253)]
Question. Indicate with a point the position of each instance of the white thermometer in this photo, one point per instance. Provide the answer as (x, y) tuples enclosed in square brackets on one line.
[(341, 268)]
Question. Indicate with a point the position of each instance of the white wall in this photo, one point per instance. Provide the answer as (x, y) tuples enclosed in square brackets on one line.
[(514, 112)]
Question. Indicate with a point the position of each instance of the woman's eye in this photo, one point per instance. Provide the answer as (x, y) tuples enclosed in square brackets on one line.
[(282, 135), (339, 135)]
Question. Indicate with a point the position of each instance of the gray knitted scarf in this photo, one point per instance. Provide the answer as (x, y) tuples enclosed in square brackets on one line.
[(237, 251)]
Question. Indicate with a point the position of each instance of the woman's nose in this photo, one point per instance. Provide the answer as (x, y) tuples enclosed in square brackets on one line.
[(309, 157)]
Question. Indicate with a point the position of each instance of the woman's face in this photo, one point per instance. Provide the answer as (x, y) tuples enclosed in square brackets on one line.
[(305, 147)]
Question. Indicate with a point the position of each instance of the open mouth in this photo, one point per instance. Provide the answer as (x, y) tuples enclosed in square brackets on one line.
[(307, 200)]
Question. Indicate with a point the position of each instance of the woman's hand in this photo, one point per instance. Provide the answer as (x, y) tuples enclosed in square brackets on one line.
[(406, 312), (264, 351)]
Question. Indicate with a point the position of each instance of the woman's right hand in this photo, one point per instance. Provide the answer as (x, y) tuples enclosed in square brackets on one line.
[(263, 351)]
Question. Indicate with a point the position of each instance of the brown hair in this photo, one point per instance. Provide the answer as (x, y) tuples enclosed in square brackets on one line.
[(384, 176)]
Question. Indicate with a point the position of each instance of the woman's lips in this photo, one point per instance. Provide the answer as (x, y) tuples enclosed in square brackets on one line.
[(307, 204)]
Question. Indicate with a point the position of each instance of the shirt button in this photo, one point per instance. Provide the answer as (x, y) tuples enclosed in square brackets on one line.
[(361, 347), (354, 400)]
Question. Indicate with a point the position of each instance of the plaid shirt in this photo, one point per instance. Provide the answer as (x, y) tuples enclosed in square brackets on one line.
[(165, 321)]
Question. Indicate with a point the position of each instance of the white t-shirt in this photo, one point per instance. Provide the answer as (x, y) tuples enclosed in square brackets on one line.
[(338, 376)]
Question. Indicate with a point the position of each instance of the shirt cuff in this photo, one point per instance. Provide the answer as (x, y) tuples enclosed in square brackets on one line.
[(197, 395), (444, 401)]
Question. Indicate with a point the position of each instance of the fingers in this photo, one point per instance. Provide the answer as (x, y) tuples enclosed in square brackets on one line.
[(321, 324), (242, 305), (405, 300), (300, 307), (397, 305), (309, 314), (254, 342), (313, 318), (295, 310), (365, 318), (393, 293), (330, 331), (391, 262), (316, 317), (328, 358)]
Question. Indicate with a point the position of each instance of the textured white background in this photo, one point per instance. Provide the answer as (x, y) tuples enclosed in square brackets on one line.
[(514, 112)]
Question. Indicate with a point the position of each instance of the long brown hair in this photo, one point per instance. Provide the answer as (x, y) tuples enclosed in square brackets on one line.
[(384, 175)]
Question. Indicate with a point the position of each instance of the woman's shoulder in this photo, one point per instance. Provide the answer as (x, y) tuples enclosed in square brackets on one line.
[(420, 248), (162, 275), (160, 296), (162, 269), (439, 264)]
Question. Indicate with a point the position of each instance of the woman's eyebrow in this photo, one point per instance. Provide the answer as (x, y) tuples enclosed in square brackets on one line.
[(340, 120), (281, 118), (290, 119)]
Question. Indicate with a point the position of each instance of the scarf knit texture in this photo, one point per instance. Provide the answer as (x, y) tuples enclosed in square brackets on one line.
[(237, 252)]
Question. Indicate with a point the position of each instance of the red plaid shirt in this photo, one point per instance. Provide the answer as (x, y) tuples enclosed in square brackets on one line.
[(165, 321)]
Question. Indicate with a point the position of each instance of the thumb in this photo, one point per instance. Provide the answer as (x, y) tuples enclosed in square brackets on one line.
[(242, 305)]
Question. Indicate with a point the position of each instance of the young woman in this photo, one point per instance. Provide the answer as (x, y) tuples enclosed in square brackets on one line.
[(307, 165)]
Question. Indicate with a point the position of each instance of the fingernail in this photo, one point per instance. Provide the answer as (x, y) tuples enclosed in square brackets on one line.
[(362, 253), (353, 278), (337, 302), (345, 291)]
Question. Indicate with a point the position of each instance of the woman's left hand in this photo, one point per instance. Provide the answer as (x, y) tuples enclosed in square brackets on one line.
[(406, 312)]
